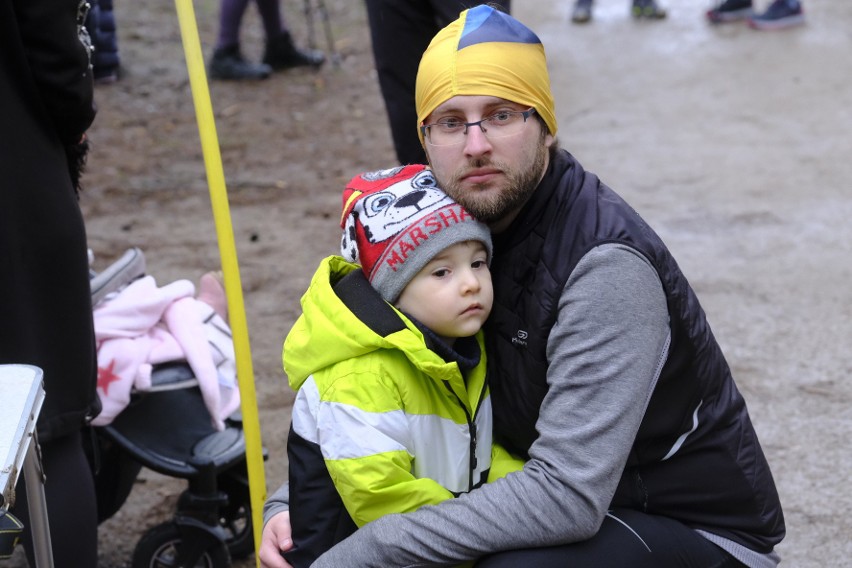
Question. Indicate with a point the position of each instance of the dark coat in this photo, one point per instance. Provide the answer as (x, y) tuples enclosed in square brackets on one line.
[(46, 104)]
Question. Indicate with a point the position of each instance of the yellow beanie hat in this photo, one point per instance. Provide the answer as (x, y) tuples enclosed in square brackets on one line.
[(485, 52)]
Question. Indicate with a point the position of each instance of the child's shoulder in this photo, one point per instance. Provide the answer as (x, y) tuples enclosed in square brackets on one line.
[(384, 371)]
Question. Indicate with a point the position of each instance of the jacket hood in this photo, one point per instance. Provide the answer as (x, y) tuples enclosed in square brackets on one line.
[(341, 322)]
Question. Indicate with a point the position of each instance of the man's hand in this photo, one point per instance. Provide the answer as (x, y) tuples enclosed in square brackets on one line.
[(274, 540)]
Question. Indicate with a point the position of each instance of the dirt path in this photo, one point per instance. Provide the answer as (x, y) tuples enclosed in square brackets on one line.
[(734, 144)]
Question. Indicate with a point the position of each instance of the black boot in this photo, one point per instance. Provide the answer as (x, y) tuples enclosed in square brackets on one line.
[(229, 64), (282, 54)]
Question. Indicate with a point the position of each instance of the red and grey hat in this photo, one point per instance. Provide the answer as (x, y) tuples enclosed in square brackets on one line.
[(396, 220)]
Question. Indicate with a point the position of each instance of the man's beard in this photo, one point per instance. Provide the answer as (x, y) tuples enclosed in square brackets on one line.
[(490, 206)]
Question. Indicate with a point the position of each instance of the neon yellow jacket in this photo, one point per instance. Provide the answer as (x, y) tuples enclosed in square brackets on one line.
[(397, 426)]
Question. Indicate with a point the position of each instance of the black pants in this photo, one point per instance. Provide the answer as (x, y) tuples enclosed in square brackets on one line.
[(401, 31), (626, 538), (71, 509)]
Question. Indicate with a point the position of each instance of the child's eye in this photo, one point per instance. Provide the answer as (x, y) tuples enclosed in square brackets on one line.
[(477, 264), (440, 273)]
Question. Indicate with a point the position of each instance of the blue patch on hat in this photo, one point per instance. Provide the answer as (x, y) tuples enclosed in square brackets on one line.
[(485, 24)]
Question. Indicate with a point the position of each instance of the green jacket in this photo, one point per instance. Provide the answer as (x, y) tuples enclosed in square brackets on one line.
[(396, 425)]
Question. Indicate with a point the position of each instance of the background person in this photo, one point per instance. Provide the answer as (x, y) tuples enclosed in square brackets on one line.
[(101, 25), (46, 97), (279, 54)]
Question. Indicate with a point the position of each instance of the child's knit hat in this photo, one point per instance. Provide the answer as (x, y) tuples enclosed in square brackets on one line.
[(395, 221)]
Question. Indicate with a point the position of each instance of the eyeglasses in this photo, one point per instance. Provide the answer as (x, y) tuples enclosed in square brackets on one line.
[(449, 131)]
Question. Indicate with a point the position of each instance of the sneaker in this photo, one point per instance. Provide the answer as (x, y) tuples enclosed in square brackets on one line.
[(648, 9), (730, 11), (781, 14), (582, 12), (281, 54), (229, 64)]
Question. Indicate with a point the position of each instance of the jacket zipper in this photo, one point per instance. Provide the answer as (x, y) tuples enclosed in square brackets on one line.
[(471, 426)]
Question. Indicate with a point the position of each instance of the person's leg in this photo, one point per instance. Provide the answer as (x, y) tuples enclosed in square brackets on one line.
[(626, 538), (228, 62), (400, 33), (648, 9), (281, 52), (582, 11), (270, 15), (780, 14), (729, 11), (107, 63), (71, 504), (230, 18), (447, 11)]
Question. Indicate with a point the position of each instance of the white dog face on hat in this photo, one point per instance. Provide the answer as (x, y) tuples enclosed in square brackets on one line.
[(384, 213)]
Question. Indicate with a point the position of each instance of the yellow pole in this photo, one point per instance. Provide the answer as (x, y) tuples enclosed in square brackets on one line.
[(228, 253)]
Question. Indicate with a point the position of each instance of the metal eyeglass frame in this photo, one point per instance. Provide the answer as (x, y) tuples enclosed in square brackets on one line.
[(424, 128)]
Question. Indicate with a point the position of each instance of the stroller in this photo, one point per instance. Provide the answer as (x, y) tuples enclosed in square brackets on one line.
[(168, 430)]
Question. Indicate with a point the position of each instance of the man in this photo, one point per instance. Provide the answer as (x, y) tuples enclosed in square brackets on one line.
[(604, 372)]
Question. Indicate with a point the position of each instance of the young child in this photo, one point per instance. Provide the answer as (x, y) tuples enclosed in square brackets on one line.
[(392, 410)]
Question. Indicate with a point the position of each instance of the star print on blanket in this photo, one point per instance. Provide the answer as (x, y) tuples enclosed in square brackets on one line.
[(106, 377)]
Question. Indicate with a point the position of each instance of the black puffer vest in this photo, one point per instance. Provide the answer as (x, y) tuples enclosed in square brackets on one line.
[(718, 479)]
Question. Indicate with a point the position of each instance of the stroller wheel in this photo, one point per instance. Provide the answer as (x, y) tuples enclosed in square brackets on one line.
[(236, 517), (159, 548)]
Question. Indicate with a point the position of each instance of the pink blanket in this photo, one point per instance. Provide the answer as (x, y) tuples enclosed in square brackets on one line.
[(143, 325)]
